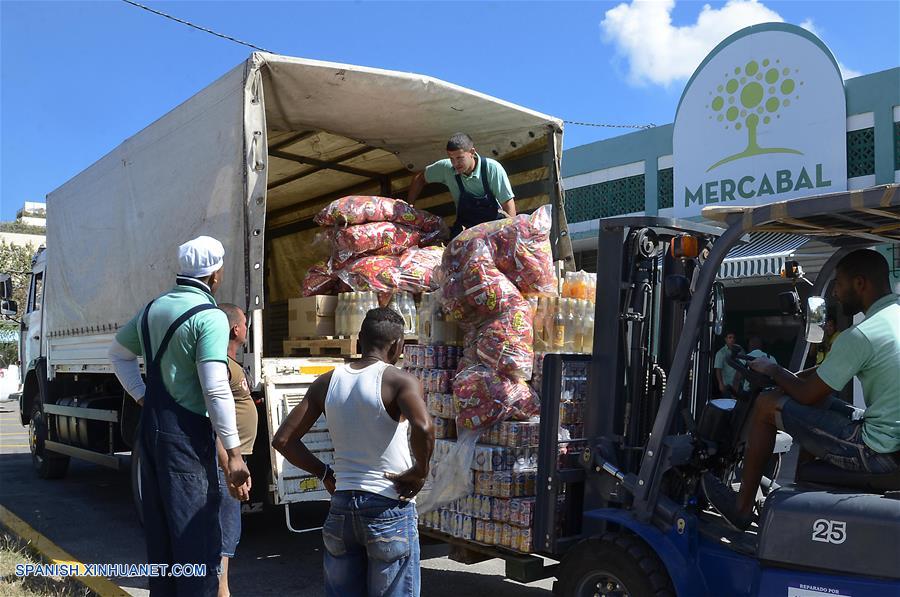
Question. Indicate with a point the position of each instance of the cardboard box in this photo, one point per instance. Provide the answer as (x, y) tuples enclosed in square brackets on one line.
[(311, 316)]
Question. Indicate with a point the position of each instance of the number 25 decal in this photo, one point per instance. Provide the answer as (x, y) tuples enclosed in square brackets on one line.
[(829, 531)]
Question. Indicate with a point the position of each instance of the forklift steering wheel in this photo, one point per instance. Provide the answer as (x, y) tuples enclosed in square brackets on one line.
[(740, 363)]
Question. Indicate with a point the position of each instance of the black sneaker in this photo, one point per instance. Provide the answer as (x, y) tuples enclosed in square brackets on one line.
[(724, 500)]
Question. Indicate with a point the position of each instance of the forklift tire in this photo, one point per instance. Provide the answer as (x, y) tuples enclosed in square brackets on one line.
[(47, 465), (136, 481), (612, 564)]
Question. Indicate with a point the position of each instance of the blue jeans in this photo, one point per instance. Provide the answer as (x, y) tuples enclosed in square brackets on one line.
[(830, 433), (229, 518), (371, 546)]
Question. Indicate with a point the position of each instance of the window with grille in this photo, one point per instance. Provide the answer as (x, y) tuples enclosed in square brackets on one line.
[(601, 200), (665, 193), (861, 152)]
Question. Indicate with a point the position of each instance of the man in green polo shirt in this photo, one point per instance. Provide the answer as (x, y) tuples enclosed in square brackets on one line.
[(183, 338), (804, 405), (479, 186), (724, 372)]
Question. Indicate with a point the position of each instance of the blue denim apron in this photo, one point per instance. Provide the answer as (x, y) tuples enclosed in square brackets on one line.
[(179, 484), (473, 209)]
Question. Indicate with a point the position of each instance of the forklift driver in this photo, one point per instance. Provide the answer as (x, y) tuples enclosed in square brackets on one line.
[(804, 405)]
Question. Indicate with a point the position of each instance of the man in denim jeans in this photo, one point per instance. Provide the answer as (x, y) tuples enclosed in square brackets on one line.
[(805, 407), (371, 536)]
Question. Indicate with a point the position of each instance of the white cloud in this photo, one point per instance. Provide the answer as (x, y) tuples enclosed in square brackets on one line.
[(811, 27), (846, 71), (661, 53)]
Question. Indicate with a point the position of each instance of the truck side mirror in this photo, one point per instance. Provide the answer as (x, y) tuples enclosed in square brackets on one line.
[(8, 308), (6, 289), (816, 315)]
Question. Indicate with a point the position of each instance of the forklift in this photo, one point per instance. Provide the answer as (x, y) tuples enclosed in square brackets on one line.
[(622, 509)]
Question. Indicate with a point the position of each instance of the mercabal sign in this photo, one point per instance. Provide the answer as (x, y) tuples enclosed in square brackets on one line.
[(762, 119)]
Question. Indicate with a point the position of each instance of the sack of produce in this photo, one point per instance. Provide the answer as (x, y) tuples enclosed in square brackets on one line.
[(416, 269), (484, 397), (376, 238), (320, 279), (360, 209), (506, 344), (378, 273)]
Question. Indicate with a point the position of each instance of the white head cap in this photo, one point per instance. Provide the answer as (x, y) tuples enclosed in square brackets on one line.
[(200, 257)]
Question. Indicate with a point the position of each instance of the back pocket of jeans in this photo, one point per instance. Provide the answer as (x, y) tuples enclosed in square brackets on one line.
[(387, 540), (333, 534)]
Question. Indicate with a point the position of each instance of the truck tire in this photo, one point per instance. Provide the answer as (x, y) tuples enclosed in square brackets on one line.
[(47, 465), (618, 564), (136, 481)]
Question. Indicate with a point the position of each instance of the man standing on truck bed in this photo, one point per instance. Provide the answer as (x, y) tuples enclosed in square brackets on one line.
[(370, 535), (479, 186), (183, 338)]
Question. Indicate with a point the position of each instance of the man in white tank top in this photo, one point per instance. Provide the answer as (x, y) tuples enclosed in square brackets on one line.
[(370, 535)]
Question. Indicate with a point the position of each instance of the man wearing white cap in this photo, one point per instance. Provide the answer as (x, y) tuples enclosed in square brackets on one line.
[(183, 338)]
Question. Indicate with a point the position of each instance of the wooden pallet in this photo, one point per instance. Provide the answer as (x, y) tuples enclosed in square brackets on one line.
[(329, 346), (322, 347)]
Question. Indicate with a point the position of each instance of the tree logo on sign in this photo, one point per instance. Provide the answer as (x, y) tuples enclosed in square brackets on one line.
[(756, 94)]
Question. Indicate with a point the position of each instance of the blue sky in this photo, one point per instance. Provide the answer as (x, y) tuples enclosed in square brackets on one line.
[(79, 77)]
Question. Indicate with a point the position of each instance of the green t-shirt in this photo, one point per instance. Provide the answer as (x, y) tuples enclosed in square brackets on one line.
[(498, 182), (728, 372), (870, 350), (204, 337)]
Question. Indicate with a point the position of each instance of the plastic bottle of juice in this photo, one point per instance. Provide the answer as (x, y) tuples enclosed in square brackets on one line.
[(538, 323), (587, 345), (559, 327), (572, 324), (339, 313)]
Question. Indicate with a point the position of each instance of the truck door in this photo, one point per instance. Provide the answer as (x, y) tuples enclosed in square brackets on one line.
[(31, 320)]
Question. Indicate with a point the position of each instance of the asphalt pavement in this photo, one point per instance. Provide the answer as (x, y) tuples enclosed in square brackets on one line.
[(90, 514)]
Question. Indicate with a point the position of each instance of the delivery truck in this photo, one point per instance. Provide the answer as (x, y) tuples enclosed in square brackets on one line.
[(248, 160)]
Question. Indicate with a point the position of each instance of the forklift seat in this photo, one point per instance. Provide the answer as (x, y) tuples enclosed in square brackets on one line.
[(820, 472)]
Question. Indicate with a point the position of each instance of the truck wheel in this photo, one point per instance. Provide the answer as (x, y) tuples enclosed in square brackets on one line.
[(47, 465), (613, 564), (136, 481)]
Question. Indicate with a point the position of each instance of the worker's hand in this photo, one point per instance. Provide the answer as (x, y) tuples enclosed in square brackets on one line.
[(239, 477), (764, 366), (330, 483), (407, 483)]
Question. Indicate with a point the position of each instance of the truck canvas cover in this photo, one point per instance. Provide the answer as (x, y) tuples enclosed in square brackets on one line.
[(208, 167)]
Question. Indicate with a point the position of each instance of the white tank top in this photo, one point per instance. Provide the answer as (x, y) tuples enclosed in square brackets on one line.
[(367, 441)]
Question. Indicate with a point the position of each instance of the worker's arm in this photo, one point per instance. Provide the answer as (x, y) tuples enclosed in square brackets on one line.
[(810, 390), (220, 406), (288, 439), (421, 440), (127, 370), (415, 187), (510, 207)]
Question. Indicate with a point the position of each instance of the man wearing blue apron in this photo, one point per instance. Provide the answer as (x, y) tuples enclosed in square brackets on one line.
[(479, 186), (183, 338)]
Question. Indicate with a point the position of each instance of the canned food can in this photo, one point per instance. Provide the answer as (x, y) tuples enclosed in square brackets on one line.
[(479, 531), (498, 533), (440, 357), (525, 541), (489, 531), (452, 357), (506, 535), (429, 357), (468, 528)]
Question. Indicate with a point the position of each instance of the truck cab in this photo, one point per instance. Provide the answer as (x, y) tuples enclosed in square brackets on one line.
[(31, 346)]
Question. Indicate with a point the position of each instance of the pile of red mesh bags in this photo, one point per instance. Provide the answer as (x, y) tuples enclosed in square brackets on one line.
[(486, 274), (377, 245)]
